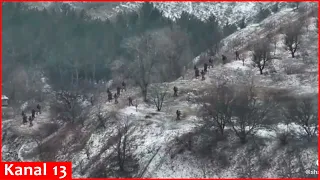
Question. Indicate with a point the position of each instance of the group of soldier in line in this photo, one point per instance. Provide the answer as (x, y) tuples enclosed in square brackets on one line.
[(25, 118), (197, 72), (175, 89), (123, 87), (116, 95), (203, 72)]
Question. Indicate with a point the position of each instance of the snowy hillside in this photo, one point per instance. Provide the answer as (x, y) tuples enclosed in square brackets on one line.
[(158, 142), (226, 11)]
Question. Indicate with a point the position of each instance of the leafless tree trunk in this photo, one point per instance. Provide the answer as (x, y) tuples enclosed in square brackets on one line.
[(123, 146), (159, 56), (217, 106), (261, 54), (272, 36), (291, 165), (146, 53), (292, 39), (248, 111), (247, 167), (303, 111), (158, 95), (68, 107)]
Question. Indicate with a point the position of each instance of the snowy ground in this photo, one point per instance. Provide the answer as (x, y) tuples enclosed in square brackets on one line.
[(160, 129), (225, 11)]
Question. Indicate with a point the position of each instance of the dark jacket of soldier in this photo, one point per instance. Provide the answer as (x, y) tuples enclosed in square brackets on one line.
[(39, 108), (210, 62), (196, 72), (178, 114), (124, 86), (205, 67), (202, 74), (115, 98), (175, 89), (224, 59), (24, 119), (33, 112), (130, 101)]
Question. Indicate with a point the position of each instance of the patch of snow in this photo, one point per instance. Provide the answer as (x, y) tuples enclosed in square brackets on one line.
[(4, 97)]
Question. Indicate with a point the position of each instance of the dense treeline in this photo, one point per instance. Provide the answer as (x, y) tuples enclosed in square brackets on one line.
[(67, 45)]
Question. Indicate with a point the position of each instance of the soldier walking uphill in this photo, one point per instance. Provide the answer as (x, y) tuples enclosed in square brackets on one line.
[(118, 91), (24, 119), (205, 67), (33, 113), (210, 62), (136, 105), (175, 90), (224, 59), (130, 101), (237, 55), (202, 75), (39, 108), (124, 86), (30, 121), (196, 73), (178, 114), (92, 100), (115, 98), (109, 96)]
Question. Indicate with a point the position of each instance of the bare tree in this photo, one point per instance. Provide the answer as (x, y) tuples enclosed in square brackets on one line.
[(292, 38), (217, 106), (124, 156), (236, 44), (170, 46), (248, 111), (203, 166), (286, 134), (261, 54), (68, 106), (272, 37), (291, 165), (22, 84), (247, 167), (303, 111), (145, 51), (158, 95), (178, 53)]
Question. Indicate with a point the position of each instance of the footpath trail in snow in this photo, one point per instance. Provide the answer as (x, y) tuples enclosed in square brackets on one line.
[(24, 129)]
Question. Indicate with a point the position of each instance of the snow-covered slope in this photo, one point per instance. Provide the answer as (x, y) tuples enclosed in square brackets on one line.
[(225, 11)]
